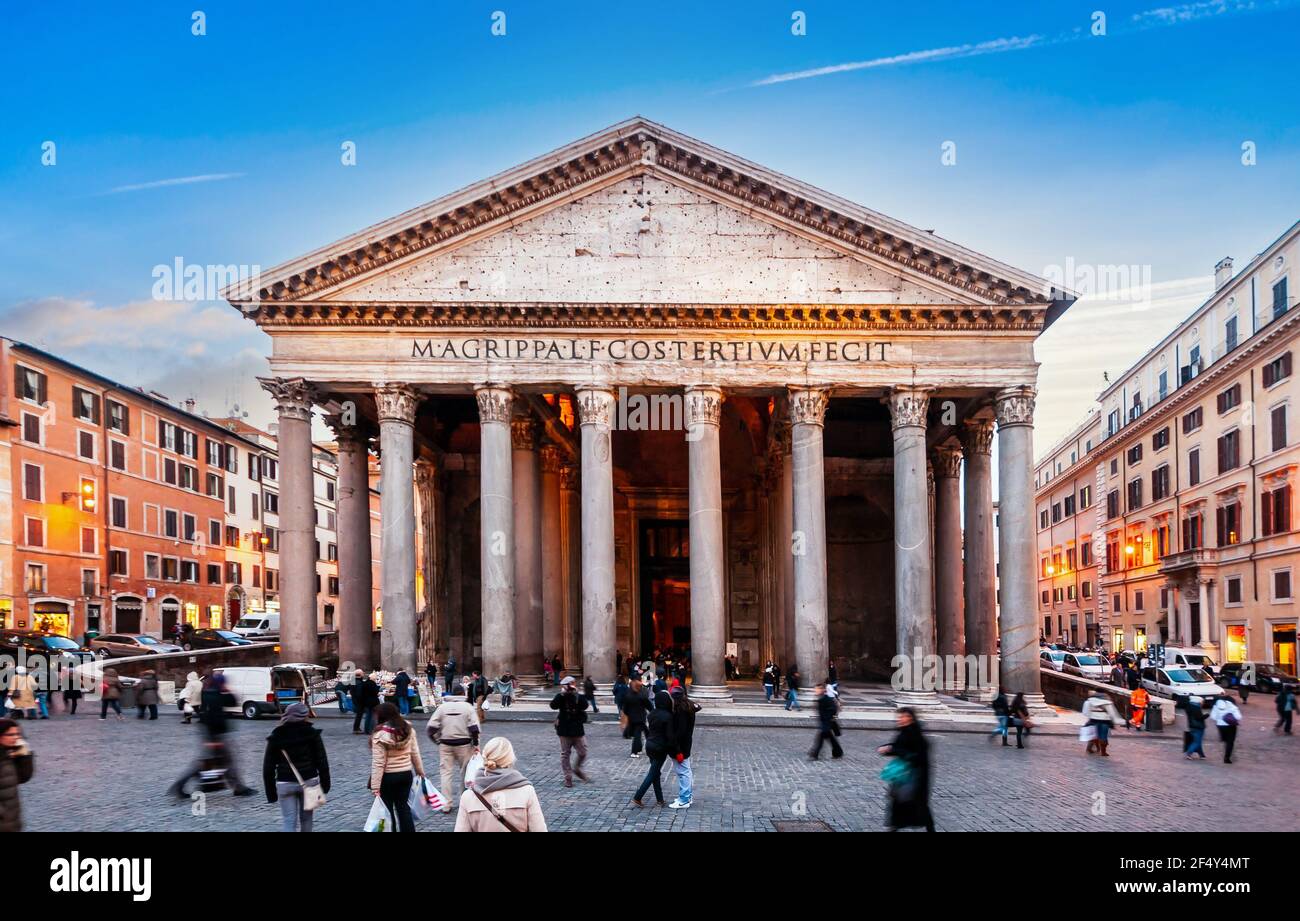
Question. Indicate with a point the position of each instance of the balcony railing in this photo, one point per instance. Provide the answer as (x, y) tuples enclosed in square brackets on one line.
[(1188, 559)]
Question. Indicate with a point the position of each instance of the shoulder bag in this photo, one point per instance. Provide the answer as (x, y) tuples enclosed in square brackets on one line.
[(496, 813), (313, 797)]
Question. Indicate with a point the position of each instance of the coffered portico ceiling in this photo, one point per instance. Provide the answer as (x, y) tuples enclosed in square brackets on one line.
[(639, 225)]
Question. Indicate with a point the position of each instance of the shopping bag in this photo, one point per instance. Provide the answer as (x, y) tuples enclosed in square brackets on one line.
[(1087, 733), (432, 794), (473, 769), (418, 800), (379, 819)]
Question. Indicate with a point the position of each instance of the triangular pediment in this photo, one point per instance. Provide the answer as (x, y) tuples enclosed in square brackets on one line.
[(641, 214)]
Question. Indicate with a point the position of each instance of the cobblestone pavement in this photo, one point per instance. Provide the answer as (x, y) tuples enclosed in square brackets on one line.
[(99, 776)]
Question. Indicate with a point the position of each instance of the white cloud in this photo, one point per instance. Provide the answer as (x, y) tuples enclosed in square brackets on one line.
[(178, 180)]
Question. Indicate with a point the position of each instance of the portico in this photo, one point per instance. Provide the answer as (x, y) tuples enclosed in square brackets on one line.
[(812, 367)]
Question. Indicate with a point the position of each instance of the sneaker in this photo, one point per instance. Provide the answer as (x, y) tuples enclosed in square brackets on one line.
[(678, 804), (568, 781)]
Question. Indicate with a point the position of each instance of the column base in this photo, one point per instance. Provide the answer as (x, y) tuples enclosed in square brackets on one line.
[(925, 703), (1038, 706), (710, 695), (978, 694), (532, 681)]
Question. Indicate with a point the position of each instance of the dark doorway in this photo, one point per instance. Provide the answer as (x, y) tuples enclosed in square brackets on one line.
[(665, 565)]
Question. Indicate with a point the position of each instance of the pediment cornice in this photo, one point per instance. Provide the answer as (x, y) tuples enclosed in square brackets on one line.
[(635, 148), (1018, 318)]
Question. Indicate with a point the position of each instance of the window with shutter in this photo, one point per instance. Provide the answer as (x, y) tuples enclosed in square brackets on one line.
[(1278, 424), (32, 483)]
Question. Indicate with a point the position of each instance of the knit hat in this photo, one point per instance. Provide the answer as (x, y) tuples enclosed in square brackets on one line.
[(566, 680), (295, 713)]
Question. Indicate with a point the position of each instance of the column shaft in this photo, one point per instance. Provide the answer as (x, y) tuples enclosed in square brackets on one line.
[(950, 625), (599, 615), (356, 614), (980, 584), (808, 536), (527, 502), (571, 570), (399, 636), (552, 537), (497, 537), (784, 549), (707, 560), (298, 641), (1016, 542)]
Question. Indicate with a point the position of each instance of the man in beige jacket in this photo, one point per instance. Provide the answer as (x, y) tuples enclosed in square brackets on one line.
[(454, 727)]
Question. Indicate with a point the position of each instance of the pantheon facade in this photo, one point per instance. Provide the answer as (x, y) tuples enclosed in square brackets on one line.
[(640, 393)]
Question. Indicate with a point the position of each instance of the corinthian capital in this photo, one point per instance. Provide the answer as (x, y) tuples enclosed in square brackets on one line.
[(523, 433), (550, 458), (595, 406), (908, 406), (977, 436), (703, 405), (495, 404), (808, 405), (396, 402), (947, 461), (293, 396), (1015, 406)]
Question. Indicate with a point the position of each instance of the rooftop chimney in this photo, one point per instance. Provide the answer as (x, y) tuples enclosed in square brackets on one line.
[(1223, 272)]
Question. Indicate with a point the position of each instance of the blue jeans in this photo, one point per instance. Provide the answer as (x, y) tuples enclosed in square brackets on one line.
[(1103, 730), (1194, 743), (767, 689), (652, 777), (43, 701), (1002, 727), (292, 816), (685, 780), (792, 699), (403, 705)]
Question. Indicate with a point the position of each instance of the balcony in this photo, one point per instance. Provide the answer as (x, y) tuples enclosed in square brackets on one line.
[(1188, 561)]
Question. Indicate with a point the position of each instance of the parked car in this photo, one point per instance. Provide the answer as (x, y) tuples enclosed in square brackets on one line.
[(1086, 665), (1265, 678), (117, 645), (269, 689), (57, 650), (259, 625), (213, 639), (1181, 682), (1189, 657), (1051, 658)]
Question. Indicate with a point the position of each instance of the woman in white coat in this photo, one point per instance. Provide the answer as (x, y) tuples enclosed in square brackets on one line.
[(191, 696), (1100, 715)]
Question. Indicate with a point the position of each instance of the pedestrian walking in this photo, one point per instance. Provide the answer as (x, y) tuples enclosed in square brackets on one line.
[(16, 766), (571, 709), (295, 759), (659, 743), (1285, 703), (589, 692), (1226, 719), (401, 689), (684, 710), (1019, 715), (216, 760), (191, 697), (22, 693), (72, 693), (146, 695), (776, 681), (1193, 739), (505, 686), (792, 689), (768, 689), (1001, 710), (500, 799), (365, 698), (620, 691), (449, 674), (828, 729), (1138, 702), (833, 677), (394, 764), (110, 694), (1100, 717), (431, 675), (908, 775), (548, 673), (478, 692), (454, 728), (636, 708)]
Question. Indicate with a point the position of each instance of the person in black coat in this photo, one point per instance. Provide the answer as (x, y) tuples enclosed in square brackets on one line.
[(684, 710), (660, 742), (401, 687), (295, 740), (909, 796), (215, 748), (572, 713), (636, 707), (827, 728), (365, 697)]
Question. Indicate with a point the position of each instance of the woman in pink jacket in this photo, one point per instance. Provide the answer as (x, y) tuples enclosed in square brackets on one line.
[(500, 798)]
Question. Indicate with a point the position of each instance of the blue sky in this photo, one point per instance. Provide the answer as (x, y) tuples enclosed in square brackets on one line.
[(1121, 149)]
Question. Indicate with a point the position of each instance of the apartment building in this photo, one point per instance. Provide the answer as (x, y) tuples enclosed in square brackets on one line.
[(1192, 460), (114, 512)]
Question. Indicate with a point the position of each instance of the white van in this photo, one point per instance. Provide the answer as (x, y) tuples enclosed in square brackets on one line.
[(259, 625), (268, 689), (1189, 657)]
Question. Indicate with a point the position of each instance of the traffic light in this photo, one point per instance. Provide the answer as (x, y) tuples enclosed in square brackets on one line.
[(88, 495)]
